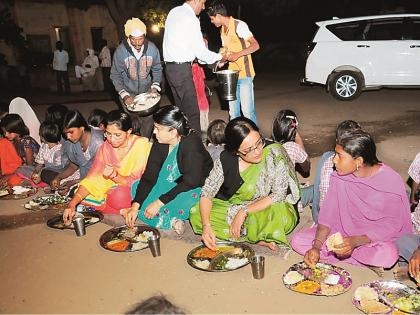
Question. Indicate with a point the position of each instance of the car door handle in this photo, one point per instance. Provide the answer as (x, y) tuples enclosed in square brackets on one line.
[(363, 46), (415, 46)]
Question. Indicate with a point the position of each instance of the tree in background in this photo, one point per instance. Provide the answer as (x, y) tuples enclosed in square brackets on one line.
[(152, 12), (10, 32)]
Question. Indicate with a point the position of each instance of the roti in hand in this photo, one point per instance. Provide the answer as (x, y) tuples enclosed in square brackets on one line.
[(334, 240)]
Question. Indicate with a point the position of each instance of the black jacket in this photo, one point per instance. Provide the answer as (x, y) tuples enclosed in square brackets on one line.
[(194, 163), (232, 177)]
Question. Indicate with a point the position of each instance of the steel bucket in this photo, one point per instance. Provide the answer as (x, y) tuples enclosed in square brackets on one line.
[(228, 79)]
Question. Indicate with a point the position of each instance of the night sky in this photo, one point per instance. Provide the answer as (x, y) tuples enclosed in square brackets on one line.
[(293, 20)]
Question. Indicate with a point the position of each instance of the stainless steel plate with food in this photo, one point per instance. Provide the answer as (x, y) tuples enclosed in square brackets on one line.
[(228, 256), (90, 218), (17, 192), (323, 279), (51, 201), (145, 104), (125, 239), (386, 297)]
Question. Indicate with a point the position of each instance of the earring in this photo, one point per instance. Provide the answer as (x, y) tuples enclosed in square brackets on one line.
[(357, 166)]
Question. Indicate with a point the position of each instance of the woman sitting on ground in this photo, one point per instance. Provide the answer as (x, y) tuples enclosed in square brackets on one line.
[(119, 162), (366, 202), (176, 169), (250, 193), (81, 146), (18, 152)]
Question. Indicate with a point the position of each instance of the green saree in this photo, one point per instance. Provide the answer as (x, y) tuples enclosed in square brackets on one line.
[(271, 224)]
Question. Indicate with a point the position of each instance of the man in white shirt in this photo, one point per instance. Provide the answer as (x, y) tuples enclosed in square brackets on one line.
[(182, 44), (60, 61), (105, 57)]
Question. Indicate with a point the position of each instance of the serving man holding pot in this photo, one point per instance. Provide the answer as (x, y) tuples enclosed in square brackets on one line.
[(136, 69)]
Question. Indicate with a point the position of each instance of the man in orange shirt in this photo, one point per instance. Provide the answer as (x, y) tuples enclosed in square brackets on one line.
[(239, 43)]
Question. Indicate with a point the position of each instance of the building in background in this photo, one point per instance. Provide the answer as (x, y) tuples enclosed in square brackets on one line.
[(46, 21)]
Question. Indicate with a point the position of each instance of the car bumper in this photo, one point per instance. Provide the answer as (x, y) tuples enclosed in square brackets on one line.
[(304, 81)]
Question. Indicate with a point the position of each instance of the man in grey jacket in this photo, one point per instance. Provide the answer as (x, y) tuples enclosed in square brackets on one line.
[(136, 69)]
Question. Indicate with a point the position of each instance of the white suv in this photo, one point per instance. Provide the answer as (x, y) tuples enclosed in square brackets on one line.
[(354, 54)]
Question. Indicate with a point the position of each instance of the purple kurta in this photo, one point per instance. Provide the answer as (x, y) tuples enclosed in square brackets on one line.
[(375, 206)]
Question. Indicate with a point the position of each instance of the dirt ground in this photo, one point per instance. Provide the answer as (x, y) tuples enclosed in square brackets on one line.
[(50, 271)]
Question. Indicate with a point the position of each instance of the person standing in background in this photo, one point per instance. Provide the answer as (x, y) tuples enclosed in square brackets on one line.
[(182, 43), (239, 43), (60, 61), (105, 57)]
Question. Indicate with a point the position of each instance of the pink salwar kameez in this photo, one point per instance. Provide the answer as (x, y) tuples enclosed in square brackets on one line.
[(375, 206)]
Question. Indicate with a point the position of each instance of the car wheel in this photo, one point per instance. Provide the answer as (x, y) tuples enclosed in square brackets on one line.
[(345, 85)]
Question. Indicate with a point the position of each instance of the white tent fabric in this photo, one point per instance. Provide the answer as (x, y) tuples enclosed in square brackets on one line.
[(21, 107)]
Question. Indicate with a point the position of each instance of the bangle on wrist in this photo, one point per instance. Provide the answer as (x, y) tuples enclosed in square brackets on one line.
[(113, 175)]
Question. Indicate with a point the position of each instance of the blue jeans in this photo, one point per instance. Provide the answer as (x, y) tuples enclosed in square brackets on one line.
[(244, 100), (407, 245), (313, 190)]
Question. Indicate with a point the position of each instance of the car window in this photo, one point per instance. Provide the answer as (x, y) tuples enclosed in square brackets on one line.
[(414, 28), (347, 31), (385, 29)]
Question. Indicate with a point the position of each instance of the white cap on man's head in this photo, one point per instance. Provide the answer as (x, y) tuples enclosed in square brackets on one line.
[(134, 27)]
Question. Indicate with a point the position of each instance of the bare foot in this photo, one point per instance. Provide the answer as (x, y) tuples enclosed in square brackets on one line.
[(270, 245), (401, 273)]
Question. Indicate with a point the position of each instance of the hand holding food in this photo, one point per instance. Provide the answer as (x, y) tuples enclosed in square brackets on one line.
[(55, 183), (334, 240), (130, 215), (311, 257), (208, 237), (36, 178), (345, 249), (68, 215)]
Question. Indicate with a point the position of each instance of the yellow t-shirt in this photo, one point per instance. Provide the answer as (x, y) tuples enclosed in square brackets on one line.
[(234, 43)]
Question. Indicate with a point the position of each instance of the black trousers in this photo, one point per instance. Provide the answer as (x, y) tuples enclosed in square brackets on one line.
[(179, 77), (108, 86), (62, 76)]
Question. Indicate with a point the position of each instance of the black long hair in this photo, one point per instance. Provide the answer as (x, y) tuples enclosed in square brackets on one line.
[(97, 117), (14, 123), (172, 117), (50, 132), (345, 127), (359, 143), (56, 113), (216, 132), (74, 119), (236, 131), (284, 126), (119, 118)]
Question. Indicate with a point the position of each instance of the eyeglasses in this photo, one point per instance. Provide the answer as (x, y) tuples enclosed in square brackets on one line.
[(260, 143)]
